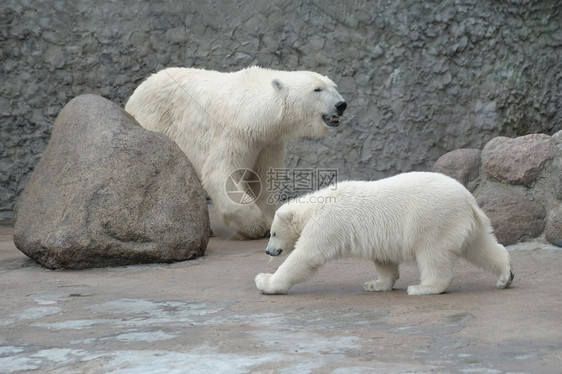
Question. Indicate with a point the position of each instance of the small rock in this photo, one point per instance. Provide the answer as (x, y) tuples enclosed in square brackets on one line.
[(461, 164), (107, 192), (514, 217), (558, 164), (553, 229), (518, 160)]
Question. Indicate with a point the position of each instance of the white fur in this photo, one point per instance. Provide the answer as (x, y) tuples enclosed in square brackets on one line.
[(228, 121), (424, 217)]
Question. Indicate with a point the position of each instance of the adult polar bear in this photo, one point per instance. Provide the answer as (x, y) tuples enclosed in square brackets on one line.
[(424, 217), (241, 120)]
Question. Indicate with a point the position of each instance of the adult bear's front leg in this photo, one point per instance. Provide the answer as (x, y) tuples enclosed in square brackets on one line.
[(246, 221), (268, 166), (230, 195)]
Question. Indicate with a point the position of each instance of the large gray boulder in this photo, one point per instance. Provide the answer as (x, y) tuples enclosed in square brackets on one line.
[(107, 192)]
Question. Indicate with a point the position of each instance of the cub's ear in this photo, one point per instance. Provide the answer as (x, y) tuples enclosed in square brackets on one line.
[(284, 215), (277, 85)]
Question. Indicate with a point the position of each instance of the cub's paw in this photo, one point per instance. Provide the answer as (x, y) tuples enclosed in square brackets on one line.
[(262, 281), (265, 285), (376, 286), (505, 280), (426, 289)]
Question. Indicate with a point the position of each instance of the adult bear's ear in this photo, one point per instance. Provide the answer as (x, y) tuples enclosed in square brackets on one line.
[(277, 85), (285, 215)]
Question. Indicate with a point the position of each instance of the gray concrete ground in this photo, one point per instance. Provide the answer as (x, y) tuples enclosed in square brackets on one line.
[(206, 316)]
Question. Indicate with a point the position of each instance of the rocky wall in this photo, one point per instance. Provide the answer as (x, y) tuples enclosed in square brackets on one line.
[(421, 78), (517, 182)]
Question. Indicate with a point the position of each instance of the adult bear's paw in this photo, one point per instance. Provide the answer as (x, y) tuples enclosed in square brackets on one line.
[(247, 222)]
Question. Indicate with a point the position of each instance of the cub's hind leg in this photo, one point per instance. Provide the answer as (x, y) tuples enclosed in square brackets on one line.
[(436, 269), (486, 253), (387, 273)]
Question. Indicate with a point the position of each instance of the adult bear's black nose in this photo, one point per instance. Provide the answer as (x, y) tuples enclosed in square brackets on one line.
[(340, 107)]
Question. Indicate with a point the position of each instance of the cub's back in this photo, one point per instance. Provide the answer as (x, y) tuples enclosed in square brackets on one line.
[(399, 214), (401, 198)]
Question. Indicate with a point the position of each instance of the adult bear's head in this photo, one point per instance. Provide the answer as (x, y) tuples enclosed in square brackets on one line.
[(312, 105)]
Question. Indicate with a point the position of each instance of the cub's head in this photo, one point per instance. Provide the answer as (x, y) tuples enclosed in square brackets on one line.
[(284, 232), (312, 103)]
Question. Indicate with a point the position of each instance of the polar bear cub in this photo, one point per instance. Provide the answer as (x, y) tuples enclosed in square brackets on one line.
[(424, 217)]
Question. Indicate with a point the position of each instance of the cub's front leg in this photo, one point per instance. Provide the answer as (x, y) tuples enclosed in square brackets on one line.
[(298, 267)]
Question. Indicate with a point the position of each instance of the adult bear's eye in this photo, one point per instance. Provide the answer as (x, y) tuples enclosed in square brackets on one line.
[(273, 234), (318, 89)]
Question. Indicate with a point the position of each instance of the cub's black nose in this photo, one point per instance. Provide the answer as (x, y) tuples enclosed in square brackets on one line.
[(273, 252), (340, 107)]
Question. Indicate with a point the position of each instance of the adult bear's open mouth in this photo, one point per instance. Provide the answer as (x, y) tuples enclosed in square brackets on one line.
[(331, 120)]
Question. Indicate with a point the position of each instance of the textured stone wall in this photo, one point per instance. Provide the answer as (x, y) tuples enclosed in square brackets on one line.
[(421, 77)]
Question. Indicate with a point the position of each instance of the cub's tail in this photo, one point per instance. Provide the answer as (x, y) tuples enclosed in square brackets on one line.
[(484, 251)]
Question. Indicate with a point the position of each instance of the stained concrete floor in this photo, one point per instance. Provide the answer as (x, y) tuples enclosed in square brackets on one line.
[(206, 316)]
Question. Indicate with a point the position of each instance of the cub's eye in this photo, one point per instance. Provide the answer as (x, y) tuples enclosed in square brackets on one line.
[(318, 89), (273, 234)]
